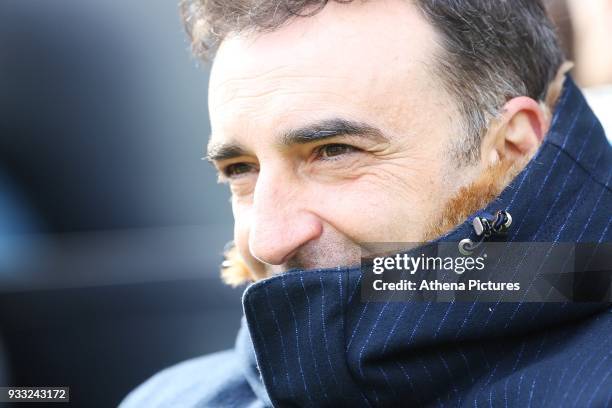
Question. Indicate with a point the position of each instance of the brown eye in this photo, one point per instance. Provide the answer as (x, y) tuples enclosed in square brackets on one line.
[(335, 150), (237, 169)]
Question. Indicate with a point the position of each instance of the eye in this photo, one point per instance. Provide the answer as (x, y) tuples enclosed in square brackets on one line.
[(237, 169), (331, 151)]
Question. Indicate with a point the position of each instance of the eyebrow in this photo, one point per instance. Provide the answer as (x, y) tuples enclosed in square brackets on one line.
[(311, 133)]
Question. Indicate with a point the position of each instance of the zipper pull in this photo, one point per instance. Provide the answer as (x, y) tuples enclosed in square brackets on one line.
[(485, 227), (490, 226)]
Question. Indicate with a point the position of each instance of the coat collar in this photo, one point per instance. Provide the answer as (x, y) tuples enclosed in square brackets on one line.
[(316, 343)]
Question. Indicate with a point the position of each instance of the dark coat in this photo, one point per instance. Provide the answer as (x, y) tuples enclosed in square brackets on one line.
[(316, 343)]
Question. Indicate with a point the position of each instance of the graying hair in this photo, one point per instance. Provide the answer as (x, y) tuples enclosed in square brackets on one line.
[(492, 51)]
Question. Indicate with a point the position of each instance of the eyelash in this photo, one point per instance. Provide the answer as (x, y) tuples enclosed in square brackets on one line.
[(228, 174), (227, 171), (319, 150)]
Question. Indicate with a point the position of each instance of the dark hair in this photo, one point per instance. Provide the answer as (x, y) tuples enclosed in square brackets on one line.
[(491, 50)]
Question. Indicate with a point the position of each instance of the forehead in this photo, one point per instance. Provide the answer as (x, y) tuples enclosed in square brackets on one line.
[(349, 59)]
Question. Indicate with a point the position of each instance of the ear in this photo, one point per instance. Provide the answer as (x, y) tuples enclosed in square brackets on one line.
[(517, 133)]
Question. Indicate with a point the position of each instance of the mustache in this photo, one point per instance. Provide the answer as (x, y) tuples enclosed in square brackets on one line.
[(314, 255), (321, 255)]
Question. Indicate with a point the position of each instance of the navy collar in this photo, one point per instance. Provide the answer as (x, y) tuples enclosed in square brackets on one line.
[(316, 343)]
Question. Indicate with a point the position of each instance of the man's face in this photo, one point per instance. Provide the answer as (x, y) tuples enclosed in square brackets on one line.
[(331, 131)]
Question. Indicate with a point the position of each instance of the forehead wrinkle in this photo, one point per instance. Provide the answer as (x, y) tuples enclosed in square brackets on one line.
[(279, 86), (238, 78), (244, 76), (276, 94), (229, 81)]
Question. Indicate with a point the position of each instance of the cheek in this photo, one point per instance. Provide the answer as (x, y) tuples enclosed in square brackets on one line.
[(380, 209), (365, 214)]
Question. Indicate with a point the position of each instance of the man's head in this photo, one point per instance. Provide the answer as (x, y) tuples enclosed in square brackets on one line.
[(340, 123)]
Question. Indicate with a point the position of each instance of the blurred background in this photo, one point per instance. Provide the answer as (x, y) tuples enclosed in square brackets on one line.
[(111, 225), (585, 31)]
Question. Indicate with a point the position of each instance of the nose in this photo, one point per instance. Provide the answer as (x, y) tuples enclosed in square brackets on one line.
[(281, 222)]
